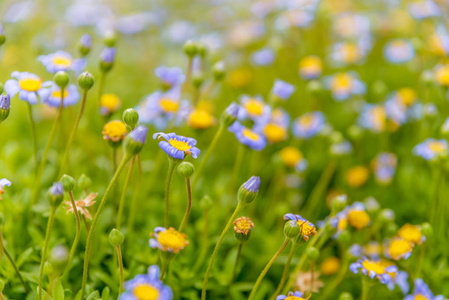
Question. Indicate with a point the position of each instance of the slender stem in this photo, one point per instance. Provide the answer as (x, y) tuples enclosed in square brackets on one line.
[(114, 159), (120, 267), (13, 264), (51, 137), (171, 168), (33, 131), (77, 234), (94, 223), (72, 135), (234, 272), (189, 206), (86, 224), (267, 267), (123, 196), (100, 87), (205, 246), (208, 153), (285, 272), (217, 247), (188, 75), (365, 287), (44, 250), (236, 168), (133, 209), (208, 90)]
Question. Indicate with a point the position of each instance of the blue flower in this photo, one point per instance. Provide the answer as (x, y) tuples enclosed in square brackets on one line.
[(254, 108), (422, 290), (170, 77), (401, 281), (424, 9), (248, 137), (344, 85), (56, 189), (139, 134), (309, 124), (252, 184), (399, 51), (282, 89), (168, 240), (61, 61), (431, 149), (263, 57), (373, 117), (374, 269), (53, 97), (291, 296), (147, 286), (384, 167), (108, 55), (5, 102), (29, 86), (177, 146), (86, 41)]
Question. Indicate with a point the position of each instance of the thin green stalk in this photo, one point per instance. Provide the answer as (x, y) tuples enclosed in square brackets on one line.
[(189, 206), (171, 167), (267, 267), (94, 224), (114, 159), (120, 267), (13, 264), (208, 90), (237, 259), (236, 168), (286, 269), (123, 196), (44, 249), (33, 131), (77, 234), (72, 135), (133, 209), (100, 87), (51, 137), (365, 287), (208, 153), (188, 75), (205, 244), (217, 247)]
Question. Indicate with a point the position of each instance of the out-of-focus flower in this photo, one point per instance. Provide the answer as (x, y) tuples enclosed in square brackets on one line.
[(373, 117), (341, 148), (82, 205), (357, 176), (399, 279), (263, 57), (170, 77), (344, 85), (307, 282), (239, 78), (293, 158), (398, 248), (412, 233), (308, 229), (248, 137), (3, 182), (147, 286), (62, 61), (424, 9), (28, 85), (177, 146), (374, 268), (330, 265), (384, 166), (310, 67), (422, 292), (357, 216), (346, 53), (291, 296), (201, 119), (114, 131), (399, 51), (275, 128), (372, 250), (168, 240), (441, 73), (282, 90), (109, 103), (244, 33), (351, 25), (309, 124), (254, 108), (70, 97), (294, 18), (439, 41), (431, 149)]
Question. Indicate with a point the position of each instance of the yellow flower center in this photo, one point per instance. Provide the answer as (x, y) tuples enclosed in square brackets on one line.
[(330, 265), (407, 96), (342, 81), (254, 107), (243, 225), (342, 224), (399, 247), (294, 298), (358, 218), (250, 134), (62, 61), (172, 239), (379, 117), (201, 119), (114, 130), (357, 176), (442, 75), (420, 297), (350, 53), (310, 63), (110, 102), (307, 228), (275, 133), (375, 266), (180, 145), (411, 233), (290, 156), (146, 292), (437, 146), (57, 94), (169, 105), (30, 84)]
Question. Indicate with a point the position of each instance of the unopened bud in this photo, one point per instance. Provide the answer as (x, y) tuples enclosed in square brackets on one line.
[(248, 191), (135, 140), (131, 117), (291, 229), (86, 81), (186, 169), (68, 183), (116, 238), (61, 79), (190, 48)]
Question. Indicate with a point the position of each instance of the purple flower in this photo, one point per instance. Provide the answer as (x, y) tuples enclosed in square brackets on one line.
[(61, 61), (233, 109), (282, 89), (177, 146), (290, 295), (5, 101), (422, 289), (52, 97), (56, 189), (29, 86), (139, 134), (170, 77), (108, 54), (252, 184), (248, 137)]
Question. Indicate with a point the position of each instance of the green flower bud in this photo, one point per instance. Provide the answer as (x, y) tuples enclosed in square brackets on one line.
[(355, 132), (292, 229), (135, 140), (84, 44), (248, 191), (229, 115), (86, 81), (336, 137), (386, 215), (344, 237), (110, 39), (197, 80), (61, 79), (131, 117), (186, 169), (116, 238), (427, 230), (55, 194), (338, 203), (67, 182), (84, 182), (219, 70), (312, 253), (202, 49), (59, 256), (206, 203), (391, 229), (314, 87), (345, 296), (190, 48)]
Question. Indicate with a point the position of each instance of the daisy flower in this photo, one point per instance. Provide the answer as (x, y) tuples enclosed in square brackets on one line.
[(29, 87), (62, 61), (177, 146)]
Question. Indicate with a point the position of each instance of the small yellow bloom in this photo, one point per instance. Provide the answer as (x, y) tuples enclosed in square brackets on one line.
[(114, 131), (330, 265), (169, 105), (411, 233), (357, 176), (201, 119), (168, 240), (290, 156), (110, 103), (407, 96), (239, 78), (243, 225), (62, 61), (275, 133), (358, 218), (400, 248), (442, 74)]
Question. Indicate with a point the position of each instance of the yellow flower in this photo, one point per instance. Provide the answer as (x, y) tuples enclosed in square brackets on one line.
[(168, 240), (274, 132), (201, 119), (114, 131), (400, 248), (109, 103), (243, 225), (358, 218), (411, 233), (290, 156), (357, 176), (407, 96), (169, 105), (442, 74), (239, 78), (330, 265)]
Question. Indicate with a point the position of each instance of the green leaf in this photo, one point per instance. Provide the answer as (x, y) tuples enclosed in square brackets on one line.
[(58, 290)]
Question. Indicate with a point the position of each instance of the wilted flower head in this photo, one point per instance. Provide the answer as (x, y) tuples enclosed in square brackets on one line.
[(243, 225), (168, 240), (177, 146), (307, 282), (82, 205)]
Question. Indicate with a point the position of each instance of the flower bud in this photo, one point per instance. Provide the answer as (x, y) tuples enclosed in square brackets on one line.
[(229, 115), (242, 229), (202, 49), (186, 169), (5, 107), (84, 182), (110, 39), (68, 183), (197, 80), (292, 229), (339, 203), (131, 117), (312, 253), (135, 140), (219, 70), (372, 205), (116, 238), (427, 229), (107, 59), (61, 79), (55, 194), (386, 215), (2, 35), (314, 87), (355, 132), (344, 237), (84, 44), (345, 296), (86, 81), (248, 191), (206, 203), (59, 256), (190, 48)]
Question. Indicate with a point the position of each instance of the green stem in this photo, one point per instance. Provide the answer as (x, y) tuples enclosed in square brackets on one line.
[(114, 159), (217, 247), (205, 246), (208, 90), (120, 267), (77, 234), (208, 153), (133, 209), (72, 135), (94, 224), (13, 264), (267, 267), (237, 166), (33, 131), (234, 272), (100, 87), (365, 287), (188, 75), (171, 167), (286, 269), (44, 250), (123, 196), (189, 206)]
